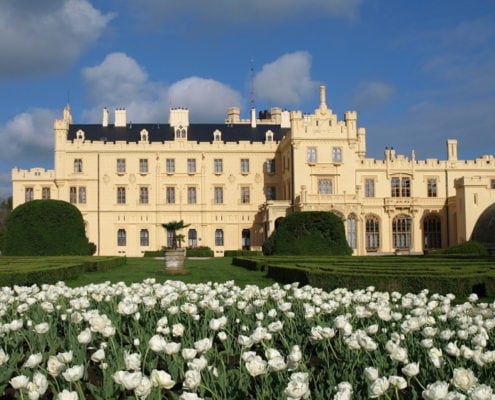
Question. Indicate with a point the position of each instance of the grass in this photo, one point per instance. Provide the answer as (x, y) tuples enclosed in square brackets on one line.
[(197, 271)]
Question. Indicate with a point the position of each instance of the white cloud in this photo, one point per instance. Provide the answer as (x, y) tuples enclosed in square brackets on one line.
[(28, 135), (207, 99), (119, 81), (373, 94), (253, 11), (44, 36), (286, 81)]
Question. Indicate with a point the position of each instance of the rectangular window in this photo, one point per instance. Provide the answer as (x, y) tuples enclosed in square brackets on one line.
[(245, 195), (191, 165), (191, 195), (121, 165), (432, 188), (81, 195), (325, 186), (218, 237), (270, 193), (143, 195), (78, 165), (73, 194), (218, 195), (369, 187), (311, 156), (45, 193), (406, 187), (170, 195), (270, 166), (492, 183), (337, 154), (121, 195), (144, 237), (121, 237), (400, 186), (170, 165), (143, 166), (218, 165), (28, 194), (244, 165)]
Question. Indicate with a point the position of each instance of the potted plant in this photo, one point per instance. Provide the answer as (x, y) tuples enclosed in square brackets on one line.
[(174, 256)]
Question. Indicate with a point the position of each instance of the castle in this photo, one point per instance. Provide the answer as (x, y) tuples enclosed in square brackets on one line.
[(233, 181)]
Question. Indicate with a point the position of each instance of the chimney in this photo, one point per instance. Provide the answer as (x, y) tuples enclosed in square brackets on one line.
[(253, 117), (233, 115), (452, 149), (105, 117), (120, 118), (323, 101)]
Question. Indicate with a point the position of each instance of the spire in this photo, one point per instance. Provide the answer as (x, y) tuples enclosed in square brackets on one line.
[(67, 116)]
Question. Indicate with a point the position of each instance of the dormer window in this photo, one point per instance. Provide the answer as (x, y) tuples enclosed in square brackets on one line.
[(180, 132), (80, 134), (144, 135), (269, 136), (217, 136)]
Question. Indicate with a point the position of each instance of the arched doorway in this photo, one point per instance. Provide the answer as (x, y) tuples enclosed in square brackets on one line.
[(246, 239), (401, 232), (432, 233)]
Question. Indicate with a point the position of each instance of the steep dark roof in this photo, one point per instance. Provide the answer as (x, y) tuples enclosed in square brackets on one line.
[(163, 132)]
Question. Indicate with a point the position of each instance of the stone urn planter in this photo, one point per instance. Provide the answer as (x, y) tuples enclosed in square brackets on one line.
[(174, 257), (174, 261)]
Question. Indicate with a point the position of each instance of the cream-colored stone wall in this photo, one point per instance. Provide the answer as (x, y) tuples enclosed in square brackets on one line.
[(463, 187)]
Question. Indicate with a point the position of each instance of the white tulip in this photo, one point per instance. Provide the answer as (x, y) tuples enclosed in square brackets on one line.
[(33, 360), (132, 361), (84, 337), (42, 328), (74, 373), (98, 355), (161, 379), (463, 379), (378, 388), (481, 392), (19, 382), (3, 357), (144, 388), (192, 379), (371, 374), (157, 343), (67, 395), (436, 391), (410, 370)]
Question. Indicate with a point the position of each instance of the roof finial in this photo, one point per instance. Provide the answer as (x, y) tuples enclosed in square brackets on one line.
[(323, 101)]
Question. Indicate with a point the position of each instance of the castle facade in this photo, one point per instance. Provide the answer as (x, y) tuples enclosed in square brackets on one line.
[(233, 181)]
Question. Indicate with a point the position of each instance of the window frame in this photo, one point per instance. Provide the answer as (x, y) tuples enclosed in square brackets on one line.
[(337, 155), (144, 238), (121, 195), (121, 167), (325, 186), (192, 195), (245, 195), (191, 166), (170, 165), (244, 165), (143, 195), (369, 187), (219, 237), (218, 195), (218, 165), (432, 187), (143, 166), (170, 195), (121, 238), (46, 193), (78, 165), (311, 155), (28, 194)]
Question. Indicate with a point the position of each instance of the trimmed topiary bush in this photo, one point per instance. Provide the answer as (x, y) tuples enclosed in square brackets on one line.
[(308, 233), (46, 228), (469, 248)]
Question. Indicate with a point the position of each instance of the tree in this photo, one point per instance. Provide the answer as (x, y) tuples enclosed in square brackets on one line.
[(174, 226), (308, 233), (45, 228), (5, 210)]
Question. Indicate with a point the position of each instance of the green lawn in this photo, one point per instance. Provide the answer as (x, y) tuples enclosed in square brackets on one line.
[(213, 269)]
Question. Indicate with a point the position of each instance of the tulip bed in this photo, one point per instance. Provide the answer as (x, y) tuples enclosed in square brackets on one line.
[(174, 340)]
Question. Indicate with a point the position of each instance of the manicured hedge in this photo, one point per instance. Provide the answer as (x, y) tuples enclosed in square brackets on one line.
[(308, 233), (45, 228), (241, 253), (31, 270), (458, 275), (190, 252)]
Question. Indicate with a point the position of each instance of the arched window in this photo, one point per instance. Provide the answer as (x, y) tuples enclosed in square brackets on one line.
[(352, 231), (217, 135), (144, 135), (144, 237), (372, 233), (246, 239), (218, 237), (401, 232), (432, 238), (192, 238), (121, 237)]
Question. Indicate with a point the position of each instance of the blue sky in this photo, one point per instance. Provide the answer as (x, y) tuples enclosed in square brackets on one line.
[(418, 72)]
